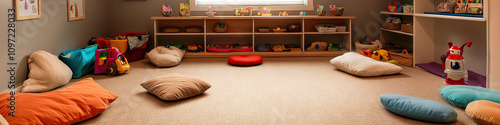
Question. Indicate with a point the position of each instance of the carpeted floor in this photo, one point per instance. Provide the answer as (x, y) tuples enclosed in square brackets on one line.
[(280, 91)]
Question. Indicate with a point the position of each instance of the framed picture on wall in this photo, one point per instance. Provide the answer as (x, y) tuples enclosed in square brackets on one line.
[(76, 10), (28, 9)]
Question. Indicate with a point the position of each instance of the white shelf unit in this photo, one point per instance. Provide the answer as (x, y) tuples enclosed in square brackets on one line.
[(433, 32), (398, 37), (245, 29)]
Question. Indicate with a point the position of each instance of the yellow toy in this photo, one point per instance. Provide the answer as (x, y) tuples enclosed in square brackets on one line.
[(318, 46), (381, 55)]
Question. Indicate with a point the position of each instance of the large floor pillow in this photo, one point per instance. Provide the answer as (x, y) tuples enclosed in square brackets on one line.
[(78, 102), (462, 95), (359, 65), (166, 57), (46, 73), (418, 108), (245, 60), (175, 86), (484, 112)]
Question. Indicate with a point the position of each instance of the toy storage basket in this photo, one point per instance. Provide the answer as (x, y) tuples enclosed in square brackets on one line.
[(80, 61), (403, 58), (407, 28), (391, 26), (326, 28)]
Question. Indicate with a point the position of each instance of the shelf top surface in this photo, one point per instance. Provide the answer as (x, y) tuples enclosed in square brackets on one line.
[(391, 13), (451, 17), (253, 17)]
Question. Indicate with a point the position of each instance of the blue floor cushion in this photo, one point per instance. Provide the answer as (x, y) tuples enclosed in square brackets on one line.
[(418, 109), (462, 95)]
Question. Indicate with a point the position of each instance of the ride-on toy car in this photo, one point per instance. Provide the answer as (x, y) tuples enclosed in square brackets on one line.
[(110, 61)]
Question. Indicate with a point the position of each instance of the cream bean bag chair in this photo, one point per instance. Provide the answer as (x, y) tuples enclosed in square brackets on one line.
[(46, 73), (166, 57)]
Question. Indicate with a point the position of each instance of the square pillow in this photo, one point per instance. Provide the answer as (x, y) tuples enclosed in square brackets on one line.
[(359, 65), (78, 102), (175, 86), (46, 73), (166, 57)]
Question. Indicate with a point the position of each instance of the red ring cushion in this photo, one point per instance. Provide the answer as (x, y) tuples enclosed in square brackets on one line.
[(245, 60)]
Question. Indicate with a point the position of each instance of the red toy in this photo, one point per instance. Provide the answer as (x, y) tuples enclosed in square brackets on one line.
[(110, 61), (456, 70)]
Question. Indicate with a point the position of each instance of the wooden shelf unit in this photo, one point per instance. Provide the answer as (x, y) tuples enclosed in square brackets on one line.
[(244, 31)]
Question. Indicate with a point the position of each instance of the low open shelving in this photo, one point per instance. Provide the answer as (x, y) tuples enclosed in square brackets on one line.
[(243, 30)]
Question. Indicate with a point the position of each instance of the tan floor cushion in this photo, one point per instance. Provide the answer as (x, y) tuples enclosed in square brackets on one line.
[(175, 86), (46, 73), (484, 112), (166, 57), (3, 121), (359, 65)]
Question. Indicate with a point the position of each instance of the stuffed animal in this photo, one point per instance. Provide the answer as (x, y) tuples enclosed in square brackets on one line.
[(367, 53), (381, 55), (318, 46)]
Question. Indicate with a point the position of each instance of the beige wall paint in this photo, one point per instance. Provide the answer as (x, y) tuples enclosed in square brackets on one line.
[(52, 33), (494, 40), (135, 15)]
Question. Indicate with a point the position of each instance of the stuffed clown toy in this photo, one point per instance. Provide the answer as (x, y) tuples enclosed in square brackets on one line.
[(455, 65)]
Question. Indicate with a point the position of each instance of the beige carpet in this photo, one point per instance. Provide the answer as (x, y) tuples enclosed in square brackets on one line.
[(280, 91)]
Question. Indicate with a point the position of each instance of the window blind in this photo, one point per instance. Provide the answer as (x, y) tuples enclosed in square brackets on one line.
[(251, 2)]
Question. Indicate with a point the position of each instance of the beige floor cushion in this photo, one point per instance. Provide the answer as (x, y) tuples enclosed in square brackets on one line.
[(46, 73), (175, 86), (359, 65), (166, 57)]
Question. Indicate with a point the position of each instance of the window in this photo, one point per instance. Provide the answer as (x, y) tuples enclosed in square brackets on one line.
[(229, 5)]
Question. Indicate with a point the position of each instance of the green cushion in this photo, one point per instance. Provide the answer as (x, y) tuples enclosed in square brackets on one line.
[(462, 95)]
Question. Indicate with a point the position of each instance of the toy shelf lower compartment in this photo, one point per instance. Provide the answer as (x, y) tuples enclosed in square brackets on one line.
[(224, 44), (341, 40)]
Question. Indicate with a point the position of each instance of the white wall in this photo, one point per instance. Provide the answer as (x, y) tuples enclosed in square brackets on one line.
[(494, 40)]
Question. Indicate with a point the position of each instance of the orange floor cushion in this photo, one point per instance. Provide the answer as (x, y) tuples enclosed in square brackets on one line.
[(78, 102), (484, 112)]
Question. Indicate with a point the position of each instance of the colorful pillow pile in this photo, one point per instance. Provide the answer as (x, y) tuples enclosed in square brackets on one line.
[(245, 60), (78, 102)]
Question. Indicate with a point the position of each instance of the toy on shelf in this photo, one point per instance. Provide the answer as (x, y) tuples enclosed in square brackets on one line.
[(220, 28), (263, 29), (392, 23), (408, 8), (334, 47), (284, 13), (166, 11), (336, 11), (461, 6), (195, 48), (248, 11), (184, 10), (455, 67), (263, 48), (318, 46), (320, 11), (266, 11), (210, 12), (294, 28), (279, 30), (302, 13), (110, 61), (174, 45), (394, 7), (229, 48), (278, 48)]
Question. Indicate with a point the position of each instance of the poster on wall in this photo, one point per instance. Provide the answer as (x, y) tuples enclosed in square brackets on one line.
[(76, 10), (27, 9)]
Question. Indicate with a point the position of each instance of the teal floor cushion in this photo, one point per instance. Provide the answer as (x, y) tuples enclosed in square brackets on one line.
[(80, 61), (462, 95), (418, 109)]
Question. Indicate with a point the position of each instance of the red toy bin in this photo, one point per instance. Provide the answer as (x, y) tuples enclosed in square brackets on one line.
[(134, 54)]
